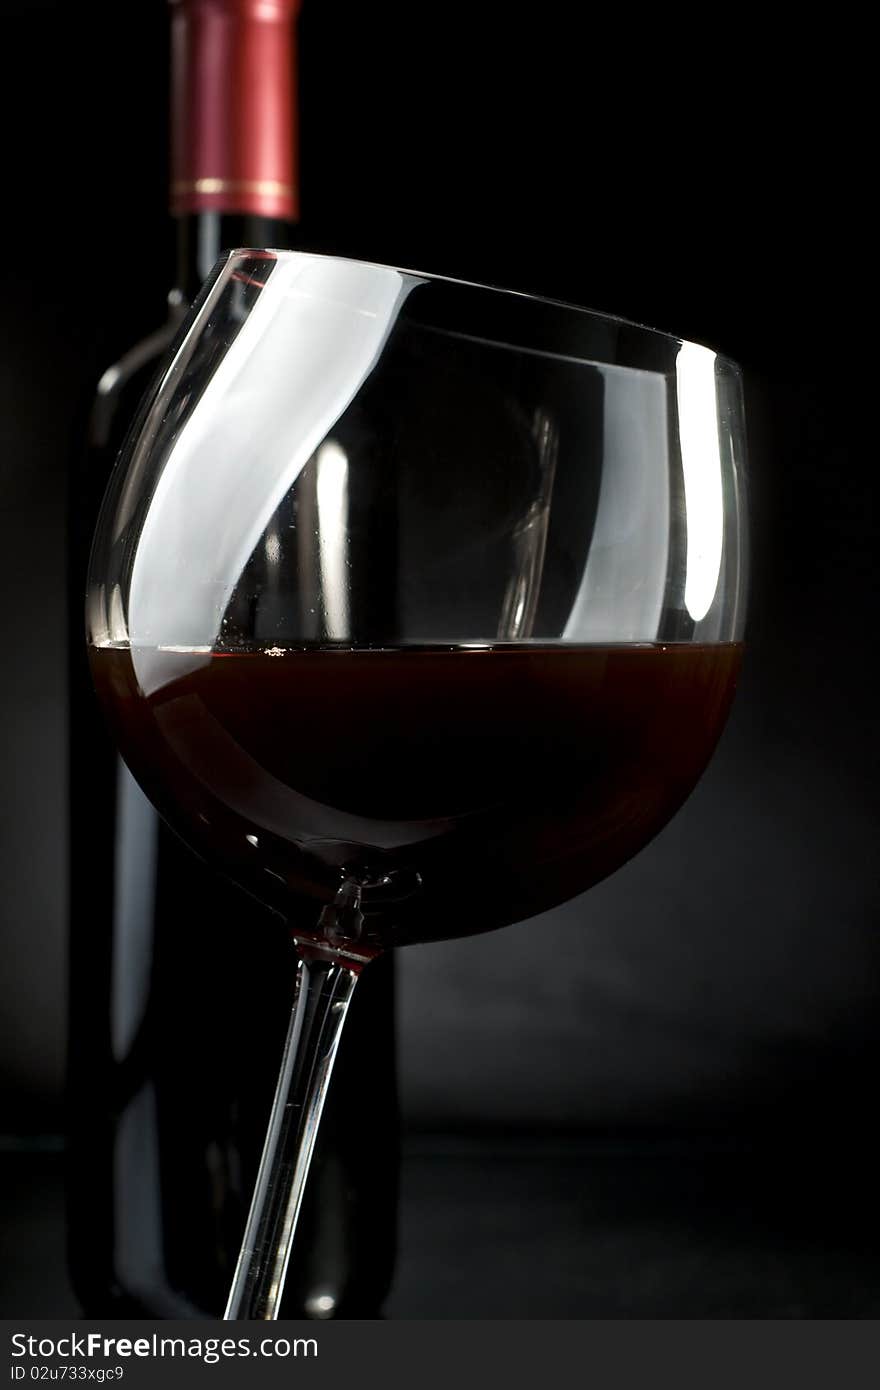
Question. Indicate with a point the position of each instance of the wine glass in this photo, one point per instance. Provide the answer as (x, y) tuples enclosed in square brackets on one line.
[(416, 608)]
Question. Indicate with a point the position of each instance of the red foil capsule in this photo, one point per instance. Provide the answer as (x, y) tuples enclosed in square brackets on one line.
[(233, 107)]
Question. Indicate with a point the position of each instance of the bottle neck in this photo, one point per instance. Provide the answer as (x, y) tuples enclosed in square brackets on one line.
[(233, 130), (201, 238)]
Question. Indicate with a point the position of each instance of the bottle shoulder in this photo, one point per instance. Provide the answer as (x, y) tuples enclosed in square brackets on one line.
[(127, 378)]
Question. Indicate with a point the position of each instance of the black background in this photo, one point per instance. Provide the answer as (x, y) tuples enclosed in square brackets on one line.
[(695, 173)]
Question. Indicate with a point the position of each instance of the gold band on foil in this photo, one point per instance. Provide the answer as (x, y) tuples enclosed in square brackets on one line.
[(265, 187)]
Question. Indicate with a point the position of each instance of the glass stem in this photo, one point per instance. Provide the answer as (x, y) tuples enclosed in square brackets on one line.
[(324, 985)]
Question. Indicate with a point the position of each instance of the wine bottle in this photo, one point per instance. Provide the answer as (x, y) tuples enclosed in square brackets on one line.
[(180, 983)]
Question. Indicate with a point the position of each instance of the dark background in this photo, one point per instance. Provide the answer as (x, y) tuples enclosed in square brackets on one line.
[(701, 177)]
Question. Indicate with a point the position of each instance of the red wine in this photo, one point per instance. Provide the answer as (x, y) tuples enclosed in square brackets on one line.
[(468, 787), (167, 1103)]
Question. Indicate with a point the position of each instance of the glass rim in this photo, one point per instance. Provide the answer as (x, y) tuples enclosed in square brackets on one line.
[(287, 254)]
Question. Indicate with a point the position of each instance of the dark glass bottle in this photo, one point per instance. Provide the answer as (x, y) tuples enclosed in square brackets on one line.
[(180, 983)]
